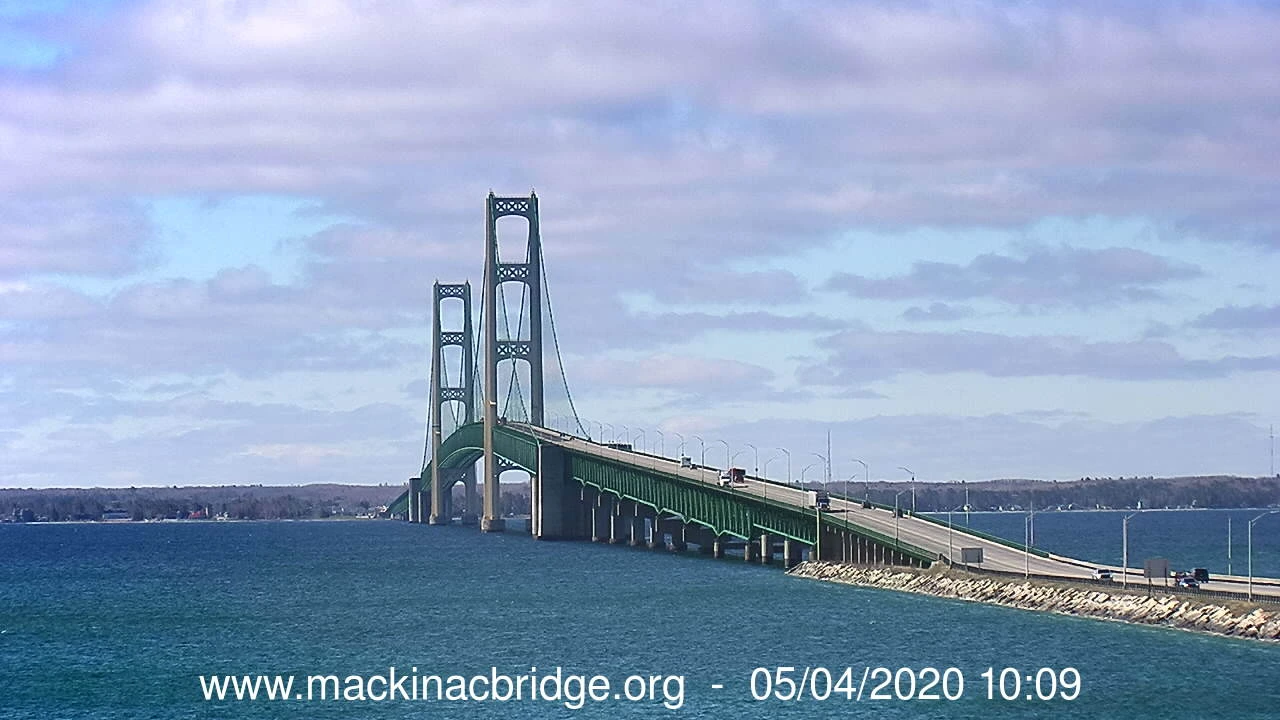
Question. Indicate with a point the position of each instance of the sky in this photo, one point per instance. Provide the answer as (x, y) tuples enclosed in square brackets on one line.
[(973, 239)]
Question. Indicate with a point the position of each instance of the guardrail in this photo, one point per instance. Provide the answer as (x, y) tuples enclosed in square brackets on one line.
[(1116, 586)]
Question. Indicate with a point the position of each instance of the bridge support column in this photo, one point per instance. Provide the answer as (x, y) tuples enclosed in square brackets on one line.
[(555, 509), (749, 551), (790, 554), (602, 518), (717, 547), (658, 533), (679, 536), (470, 515), (766, 549), (637, 532), (619, 523)]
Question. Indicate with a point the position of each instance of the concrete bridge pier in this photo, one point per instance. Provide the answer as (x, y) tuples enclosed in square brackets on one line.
[(601, 518), (637, 523), (750, 551), (766, 549), (471, 515), (619, 523), (703, 537), (679, 536), (717, 547), (790, 554), (657, 533)]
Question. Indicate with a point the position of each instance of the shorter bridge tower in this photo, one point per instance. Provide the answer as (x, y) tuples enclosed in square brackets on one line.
[(441, 395)]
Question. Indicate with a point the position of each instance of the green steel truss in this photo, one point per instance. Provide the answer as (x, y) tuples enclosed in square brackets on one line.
[(722, 510)]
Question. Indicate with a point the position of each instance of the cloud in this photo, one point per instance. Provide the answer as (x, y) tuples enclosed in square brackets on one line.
[(1042, 277), (1064, 446), (1001, 116), (936, 312), (857, 357), (1232, 317), (71, 234)]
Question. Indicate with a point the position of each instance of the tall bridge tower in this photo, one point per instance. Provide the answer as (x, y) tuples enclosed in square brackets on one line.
[(497, 272), (441, 394)]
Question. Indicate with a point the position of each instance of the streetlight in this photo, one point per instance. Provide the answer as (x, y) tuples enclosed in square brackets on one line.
[(805, 470), (702, 445), (680, 450), (766, 464), (662, 443), (951, 561), (599, 430), (728, 461), (866, 476), (626, 433), (1124, 570), (642, 440), (755, 454), (1026, 546), (611, 431), (826, 463), (788, 454), (896, 513), (913, 488), (1251, 522)]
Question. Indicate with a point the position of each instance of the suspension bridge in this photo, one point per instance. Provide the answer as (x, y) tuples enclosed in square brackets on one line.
[(488, 412)]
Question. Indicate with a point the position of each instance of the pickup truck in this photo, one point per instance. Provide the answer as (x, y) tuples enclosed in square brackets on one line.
[(733, 477)]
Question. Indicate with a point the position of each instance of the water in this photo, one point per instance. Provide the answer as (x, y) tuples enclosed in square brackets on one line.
[(119, 621), (1188, 538)]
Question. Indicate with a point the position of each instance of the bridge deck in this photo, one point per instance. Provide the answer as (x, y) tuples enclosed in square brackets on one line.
[(928, 535)]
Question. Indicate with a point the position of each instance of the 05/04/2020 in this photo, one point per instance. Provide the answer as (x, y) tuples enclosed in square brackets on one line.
[(789, 684)]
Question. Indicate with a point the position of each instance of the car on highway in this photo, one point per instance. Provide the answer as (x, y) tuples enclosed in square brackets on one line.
[(1101, 574), (1188, 583)]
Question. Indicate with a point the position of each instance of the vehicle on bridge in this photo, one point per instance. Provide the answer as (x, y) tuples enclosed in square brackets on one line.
[(1101, 574), (733, 477), (820, 500), (686, 461)]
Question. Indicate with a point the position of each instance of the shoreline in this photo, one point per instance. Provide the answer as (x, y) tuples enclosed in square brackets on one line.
[(1226, 618)]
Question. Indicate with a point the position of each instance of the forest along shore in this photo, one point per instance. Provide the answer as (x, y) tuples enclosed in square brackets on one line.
[(1222, 617)]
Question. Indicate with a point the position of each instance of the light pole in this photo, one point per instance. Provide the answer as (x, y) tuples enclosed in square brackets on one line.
[(950, 551), (866, 476), (805, 470), (599, 430), (896, 512), (1251, 522), (913, 488), (1124, 562), (703, 447), (826, 464), (728, 461), (755, 462), (766, 464), (643, 439), (679, 450), (1026, 547), (626, 434), (662, 443), (611, 431), (788, 454)]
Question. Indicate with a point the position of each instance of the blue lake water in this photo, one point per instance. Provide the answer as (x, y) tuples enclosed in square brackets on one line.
[(120, 621)]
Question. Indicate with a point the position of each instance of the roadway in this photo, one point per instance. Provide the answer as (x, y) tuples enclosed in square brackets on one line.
[(931, 537)]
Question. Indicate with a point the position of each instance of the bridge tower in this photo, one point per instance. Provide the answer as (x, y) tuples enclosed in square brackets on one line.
[(463, 391), (496, 272)]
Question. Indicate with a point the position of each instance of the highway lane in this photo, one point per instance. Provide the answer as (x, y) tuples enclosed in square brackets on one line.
[(928, 536)]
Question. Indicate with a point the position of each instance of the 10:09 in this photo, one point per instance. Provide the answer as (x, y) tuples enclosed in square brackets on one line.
[(1046, 684)]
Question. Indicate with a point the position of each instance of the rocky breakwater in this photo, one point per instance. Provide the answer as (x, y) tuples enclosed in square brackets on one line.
[(1200, 613)]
